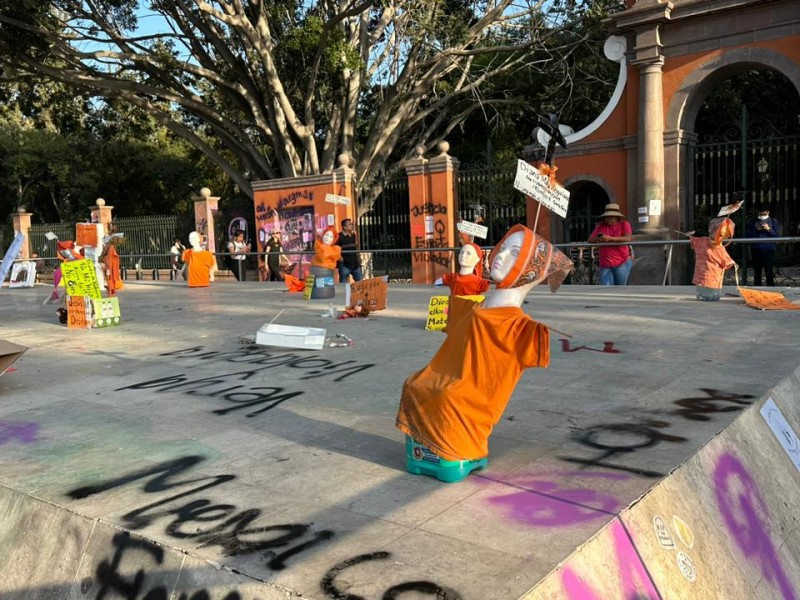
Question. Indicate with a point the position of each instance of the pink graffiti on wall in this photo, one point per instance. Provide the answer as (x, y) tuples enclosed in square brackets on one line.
[(746, 517), (633, 576)]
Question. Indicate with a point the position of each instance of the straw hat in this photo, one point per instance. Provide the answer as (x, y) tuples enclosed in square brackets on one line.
[(612, 210)]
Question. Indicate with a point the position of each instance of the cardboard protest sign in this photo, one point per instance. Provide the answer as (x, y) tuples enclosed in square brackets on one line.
[(370, 293), (79, 312), (86, 234), (10, 255), (23, 274), (473, 229), (767, 300), (438, 310), (106, 312), (9, 353), (532, 182), (80, 278)]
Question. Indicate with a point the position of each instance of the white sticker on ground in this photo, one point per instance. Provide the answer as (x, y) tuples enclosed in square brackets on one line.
[(662, 533), (686, 566), (782, 430)]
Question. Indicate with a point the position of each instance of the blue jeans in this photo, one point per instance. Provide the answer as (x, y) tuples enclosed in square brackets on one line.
[(616, 275), (344, 271)]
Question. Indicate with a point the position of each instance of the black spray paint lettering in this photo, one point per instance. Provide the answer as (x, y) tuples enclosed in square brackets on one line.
[(322, 367), (645, 435), (233, 534), (433, 590), (429, 208), (244, 397), (113, 584), (698, 409), (608, 347)]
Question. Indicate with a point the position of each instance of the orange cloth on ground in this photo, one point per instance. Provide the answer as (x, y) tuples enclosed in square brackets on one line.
[(111, 267), (198, 267), (465, 285), (293, 284), (767, 300), (452, 405), (710, 262), (326, 256)]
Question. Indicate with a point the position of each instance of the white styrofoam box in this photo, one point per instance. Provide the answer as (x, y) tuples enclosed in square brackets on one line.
[(290, 336)]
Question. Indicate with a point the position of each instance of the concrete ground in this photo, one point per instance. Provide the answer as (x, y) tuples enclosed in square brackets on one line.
[(285, 466)]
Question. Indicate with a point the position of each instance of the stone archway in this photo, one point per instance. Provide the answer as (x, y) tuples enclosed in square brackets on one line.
[(588, 195)]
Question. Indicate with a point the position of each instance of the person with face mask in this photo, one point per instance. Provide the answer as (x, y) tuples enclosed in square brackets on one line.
[(449, 408), (763, 253)]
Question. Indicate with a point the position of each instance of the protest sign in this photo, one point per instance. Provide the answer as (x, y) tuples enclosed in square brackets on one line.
[(473, 229), (531, 182), (106, 312), (438, 310), (86, 234), (80, 278), (79, 312), (9, 352), (309, 289), (369, 293)]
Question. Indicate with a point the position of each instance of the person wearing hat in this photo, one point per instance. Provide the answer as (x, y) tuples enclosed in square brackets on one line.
[(274, 248), (614, 233)]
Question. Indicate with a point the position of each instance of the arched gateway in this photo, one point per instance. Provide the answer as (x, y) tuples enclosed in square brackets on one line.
[(643, 154)]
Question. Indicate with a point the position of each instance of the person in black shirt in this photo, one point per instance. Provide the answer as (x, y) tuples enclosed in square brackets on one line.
[(274, 250), (350, 264)]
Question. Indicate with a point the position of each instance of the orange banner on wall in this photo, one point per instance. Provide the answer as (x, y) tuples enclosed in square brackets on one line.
[(767, 300)]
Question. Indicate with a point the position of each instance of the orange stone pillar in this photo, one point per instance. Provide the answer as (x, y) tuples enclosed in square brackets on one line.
[(102, 214), (419, 197), (443, 209), (22, 224), (205, 213)]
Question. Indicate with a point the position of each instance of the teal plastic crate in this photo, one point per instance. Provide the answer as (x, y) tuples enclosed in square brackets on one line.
[(421, 460)]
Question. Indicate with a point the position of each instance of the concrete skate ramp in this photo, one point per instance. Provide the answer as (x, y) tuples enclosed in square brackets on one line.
[(165, 459), (724, 524)]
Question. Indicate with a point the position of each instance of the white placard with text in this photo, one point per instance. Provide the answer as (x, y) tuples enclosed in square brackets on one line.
[(532, 183)]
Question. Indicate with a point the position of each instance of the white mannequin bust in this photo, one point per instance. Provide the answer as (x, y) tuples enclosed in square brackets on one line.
[(502, 263), (327, 238), (194, 241), (467, 260)]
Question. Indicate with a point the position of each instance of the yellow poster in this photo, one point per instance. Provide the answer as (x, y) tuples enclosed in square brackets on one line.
[(437, 311), (80, 278), (309, 286)]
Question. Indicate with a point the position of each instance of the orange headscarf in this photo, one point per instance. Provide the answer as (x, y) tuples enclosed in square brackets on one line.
[(720, 229), (538, 260)]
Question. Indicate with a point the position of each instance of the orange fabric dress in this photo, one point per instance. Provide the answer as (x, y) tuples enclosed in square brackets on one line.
[(111, 267), (465, 285), (326, 256), (198, 267), (452, 405), (711, 261)]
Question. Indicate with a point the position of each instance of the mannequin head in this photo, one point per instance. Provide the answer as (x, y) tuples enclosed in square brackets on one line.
[(470, 259), (720, 229), (195, 240), (329, 236), (523, 257)]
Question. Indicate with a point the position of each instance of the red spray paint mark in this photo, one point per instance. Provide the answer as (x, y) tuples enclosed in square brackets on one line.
[(608, 347)]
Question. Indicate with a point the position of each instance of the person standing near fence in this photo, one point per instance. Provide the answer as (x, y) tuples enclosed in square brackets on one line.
[(615, 260), (763, 253), (238, 250), (274, 248), (176, 264), (350, 263)]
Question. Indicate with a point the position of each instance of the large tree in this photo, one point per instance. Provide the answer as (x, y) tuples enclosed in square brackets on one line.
[(276, 88)]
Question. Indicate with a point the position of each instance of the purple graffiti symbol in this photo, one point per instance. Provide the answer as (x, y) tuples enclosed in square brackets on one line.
[(546, 504), (745, 513), (25, 432)]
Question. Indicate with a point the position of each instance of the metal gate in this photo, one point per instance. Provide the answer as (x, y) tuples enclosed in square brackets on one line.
[(749, 160)]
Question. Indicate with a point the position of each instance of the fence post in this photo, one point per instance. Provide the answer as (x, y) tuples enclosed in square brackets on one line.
[(102, 214), (205, 212)]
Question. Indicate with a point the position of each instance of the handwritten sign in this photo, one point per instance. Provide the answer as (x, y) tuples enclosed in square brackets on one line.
[(438, 309), (80, 278), (79, 312), (370, 293), (334, 199), (106, 312), (533, 183), (86, 234), (473, 229), (308, 290)]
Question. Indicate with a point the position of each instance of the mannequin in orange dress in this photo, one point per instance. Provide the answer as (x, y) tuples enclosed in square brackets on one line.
[(111, 267), (469, 280), (449, 408), (326, 254)]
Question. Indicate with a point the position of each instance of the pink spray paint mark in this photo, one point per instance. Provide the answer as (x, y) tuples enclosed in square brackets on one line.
[(547, 504), (745, 512), (636, 581), (25, 432)]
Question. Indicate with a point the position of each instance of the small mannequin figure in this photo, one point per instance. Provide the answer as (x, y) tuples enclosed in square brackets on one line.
[(326, 254), (449, 408), (711, 259), (200, 264), (469, 280)]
